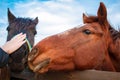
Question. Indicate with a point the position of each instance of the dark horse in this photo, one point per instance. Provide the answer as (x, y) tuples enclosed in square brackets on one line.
[(17, 62), (81, 48)]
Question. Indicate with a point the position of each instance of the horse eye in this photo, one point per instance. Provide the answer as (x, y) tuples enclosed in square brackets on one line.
[(8, 29), (87, 32), (35, 32)]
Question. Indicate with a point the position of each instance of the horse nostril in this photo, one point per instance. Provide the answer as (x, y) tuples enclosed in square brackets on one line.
[(33, 54)]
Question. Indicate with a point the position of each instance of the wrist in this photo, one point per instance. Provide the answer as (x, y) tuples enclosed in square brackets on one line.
[(5, 49)]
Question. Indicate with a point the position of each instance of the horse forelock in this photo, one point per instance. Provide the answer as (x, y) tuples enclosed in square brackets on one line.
[(23, 21), (22, 24)]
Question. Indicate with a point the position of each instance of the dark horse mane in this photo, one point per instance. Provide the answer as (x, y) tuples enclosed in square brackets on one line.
[(115, 33)]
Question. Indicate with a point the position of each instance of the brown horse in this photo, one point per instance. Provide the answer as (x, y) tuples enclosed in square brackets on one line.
[(17, 61), (83, 47)]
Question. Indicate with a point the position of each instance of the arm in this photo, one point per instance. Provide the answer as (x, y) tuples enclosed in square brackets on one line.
[(3, 58), (8, 48)]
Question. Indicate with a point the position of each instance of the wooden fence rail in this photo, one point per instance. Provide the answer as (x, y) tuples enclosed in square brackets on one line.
[(75, 75)]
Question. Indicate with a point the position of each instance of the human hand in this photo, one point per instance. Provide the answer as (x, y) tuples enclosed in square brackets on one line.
[(15, 43)]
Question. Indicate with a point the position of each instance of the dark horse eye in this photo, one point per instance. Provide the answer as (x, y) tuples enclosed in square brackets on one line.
[(35, 32), (87, 32), (8, 29)]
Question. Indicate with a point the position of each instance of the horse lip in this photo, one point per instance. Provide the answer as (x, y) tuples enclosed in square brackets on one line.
[(43, 64)]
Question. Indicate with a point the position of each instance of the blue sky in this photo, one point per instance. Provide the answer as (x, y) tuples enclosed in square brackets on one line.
[(55, 16)]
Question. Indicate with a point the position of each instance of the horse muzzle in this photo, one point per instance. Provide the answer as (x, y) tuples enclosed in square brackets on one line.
[(31, 57)]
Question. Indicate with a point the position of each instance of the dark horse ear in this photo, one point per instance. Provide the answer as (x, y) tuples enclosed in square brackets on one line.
[(36, 20), (102, 14), (11, 17)]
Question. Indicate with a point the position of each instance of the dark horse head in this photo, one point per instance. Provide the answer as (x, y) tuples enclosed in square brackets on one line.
[(18, 25)]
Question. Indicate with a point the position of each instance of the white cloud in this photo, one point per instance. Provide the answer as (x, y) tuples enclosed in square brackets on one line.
[(114, 14), (3, 36), (66, 0), (54, 17), (59, 15)]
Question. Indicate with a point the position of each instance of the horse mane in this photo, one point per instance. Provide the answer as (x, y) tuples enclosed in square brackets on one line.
[(114, 33)]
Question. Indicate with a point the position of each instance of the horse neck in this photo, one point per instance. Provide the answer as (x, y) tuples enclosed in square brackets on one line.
[(114, 48), (114, 53)]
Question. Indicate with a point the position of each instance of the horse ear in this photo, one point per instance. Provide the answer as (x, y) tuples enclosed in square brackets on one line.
[(102, 13), (84, 18), (89, 19), (11, 17), (36, 20)]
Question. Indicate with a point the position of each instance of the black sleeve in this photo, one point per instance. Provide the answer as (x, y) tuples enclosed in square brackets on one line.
[(3, 58)]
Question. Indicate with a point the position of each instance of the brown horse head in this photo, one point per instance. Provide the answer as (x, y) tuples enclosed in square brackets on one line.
[(18, 25), (83, 47)]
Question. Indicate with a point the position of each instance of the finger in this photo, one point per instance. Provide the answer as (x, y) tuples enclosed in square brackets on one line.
[(21, 37), (21, 43), (17, 36)]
